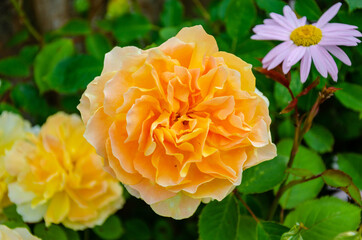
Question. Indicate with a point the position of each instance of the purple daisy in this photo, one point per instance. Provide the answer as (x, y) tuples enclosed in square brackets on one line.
[(307, 42)]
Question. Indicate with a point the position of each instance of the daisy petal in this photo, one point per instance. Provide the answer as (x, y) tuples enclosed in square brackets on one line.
[(282, 21), (281, 57), (333, 41), (330, 63), (295, 55), (327, 16), (275, 51), (318, 60), (305, 66), (339, 53), (290, 15), (337, 27), (302, 21)]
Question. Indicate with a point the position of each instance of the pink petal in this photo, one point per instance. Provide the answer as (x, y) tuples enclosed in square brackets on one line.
[(295, 55), (270, 36), (333, 41), (318, 60), (337, 27), (343, 33), (281, 57), (330, 63), (293, 58), (327, 16), (290, 15), (269, 21), (282, 21), (305, 65), (339, 53), (275, 51), (302, 21)]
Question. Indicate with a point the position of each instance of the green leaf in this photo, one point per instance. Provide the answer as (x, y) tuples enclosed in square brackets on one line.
[(133, 232), (75, 27), (28, 53), (308, 8), (219, 220), (48, 57), (130, 27), (286, 129), (264, 176), (15, 224), (27, 98), (53, 232), (319, 139), (305, 159), (294, 233), (269, 6), (336, 178), (354, 4), (325, 218), (11, 213), (354, 193), (172, 12), (168, 32), (74, 73), (111, 229), (247, 228), (351, 163), (300, 172), (8, 107), (270, 231), (18, 38), (249, 50), (71, 234), (14, 67), (350, 96), (97, 45), (240, 17), (81, 6), (4, 86), (116, 8)]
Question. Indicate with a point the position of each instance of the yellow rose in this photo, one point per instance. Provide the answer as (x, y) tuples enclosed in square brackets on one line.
[(12, 128), (59, 177), (177, 124), (15, 234)]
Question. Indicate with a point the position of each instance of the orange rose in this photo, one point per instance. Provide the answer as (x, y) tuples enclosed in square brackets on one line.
[(178, 123)]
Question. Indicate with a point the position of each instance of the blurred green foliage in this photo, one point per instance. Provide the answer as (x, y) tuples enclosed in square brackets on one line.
[(43, 78)]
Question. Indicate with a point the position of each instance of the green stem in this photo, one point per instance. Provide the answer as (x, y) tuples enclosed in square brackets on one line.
[(26, 21), (202, 9), (236, 193)]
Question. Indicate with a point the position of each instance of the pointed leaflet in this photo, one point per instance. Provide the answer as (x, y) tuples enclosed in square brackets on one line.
[(323, 218), (219, 220)]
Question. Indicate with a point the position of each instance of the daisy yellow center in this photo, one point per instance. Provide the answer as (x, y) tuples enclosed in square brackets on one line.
[(306, 35)]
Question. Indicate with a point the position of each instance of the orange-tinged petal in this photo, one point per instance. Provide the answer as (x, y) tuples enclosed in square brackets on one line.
[(93, 98), (150, 192), (102, 122), (179, 206), (247, 77), (117, 57), (205, 44), (216, 189), (177, 49), (211, 81)]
